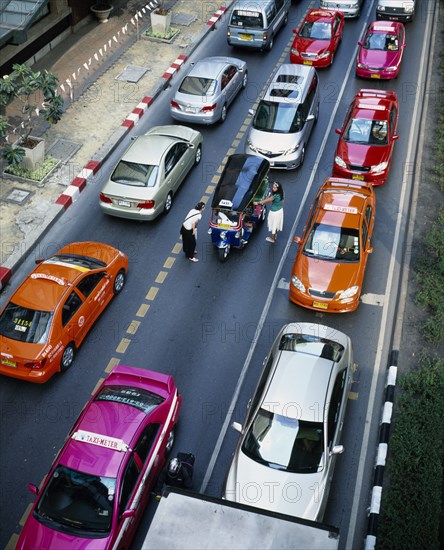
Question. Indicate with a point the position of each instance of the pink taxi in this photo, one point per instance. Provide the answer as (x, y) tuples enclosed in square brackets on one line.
[(381, 50), (100, 482)]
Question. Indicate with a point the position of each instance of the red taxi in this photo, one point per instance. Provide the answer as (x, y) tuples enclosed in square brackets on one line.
[(51, 312), (366, 140), (98, 486), (329, 268), (317, 38), (381, 50)]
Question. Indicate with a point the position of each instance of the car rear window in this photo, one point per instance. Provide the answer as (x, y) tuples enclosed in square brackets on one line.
[(135, 174), (24, 324), (312, 345), (138, 398), (246, 18), (194, 85)]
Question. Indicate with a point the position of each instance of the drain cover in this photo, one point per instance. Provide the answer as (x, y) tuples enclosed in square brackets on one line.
[(18, 196), (132, 73), (63, 149), (184, 19)]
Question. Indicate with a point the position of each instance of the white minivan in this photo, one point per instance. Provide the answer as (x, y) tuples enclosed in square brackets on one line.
[(285, 117)]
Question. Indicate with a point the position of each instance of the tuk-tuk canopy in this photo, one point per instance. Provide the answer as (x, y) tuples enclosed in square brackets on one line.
[(239, 182)]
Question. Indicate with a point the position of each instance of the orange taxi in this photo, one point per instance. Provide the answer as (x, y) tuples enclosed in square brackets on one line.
[(328, 271), (51, 312)]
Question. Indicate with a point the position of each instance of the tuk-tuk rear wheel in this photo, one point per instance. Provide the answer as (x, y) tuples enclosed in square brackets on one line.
[(223, 254)]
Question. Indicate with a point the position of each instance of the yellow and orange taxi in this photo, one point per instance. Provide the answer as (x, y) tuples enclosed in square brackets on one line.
[(328, 271), (51, 312)]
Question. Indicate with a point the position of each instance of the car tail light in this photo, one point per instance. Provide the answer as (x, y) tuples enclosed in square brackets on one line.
[(103, 198), (174, 104), (146, 204), (35, 364), (208, 108)]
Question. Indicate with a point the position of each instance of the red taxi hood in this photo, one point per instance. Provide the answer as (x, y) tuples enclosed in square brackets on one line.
[(362, 155), (379, 58), (326, 275), (36, 535), (311, 46)]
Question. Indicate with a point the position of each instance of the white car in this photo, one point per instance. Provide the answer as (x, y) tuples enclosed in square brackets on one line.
[(285, 457)]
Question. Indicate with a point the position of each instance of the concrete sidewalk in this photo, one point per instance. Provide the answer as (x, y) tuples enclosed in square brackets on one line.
[(109, 76)]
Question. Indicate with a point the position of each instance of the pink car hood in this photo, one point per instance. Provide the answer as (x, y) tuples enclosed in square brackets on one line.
[(379, 58)]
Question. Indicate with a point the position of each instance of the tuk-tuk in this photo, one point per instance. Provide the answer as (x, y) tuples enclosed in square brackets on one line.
[(243, 181)]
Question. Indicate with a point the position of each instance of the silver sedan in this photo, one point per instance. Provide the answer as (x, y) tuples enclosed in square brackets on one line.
[(206, 92), (151, 170)]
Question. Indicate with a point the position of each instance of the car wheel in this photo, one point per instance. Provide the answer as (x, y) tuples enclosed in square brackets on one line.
[(67, 357), (223, 254), (245, 80), (316, 114), (332, 59), (285, 20), (223, 114), (198, 156), (270, 45), (170, 442), (168, 203), (301, 162), (119, 282)]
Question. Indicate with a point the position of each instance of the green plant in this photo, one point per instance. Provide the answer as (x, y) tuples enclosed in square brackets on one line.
[(13, 155), (37, 175), (28, 89)]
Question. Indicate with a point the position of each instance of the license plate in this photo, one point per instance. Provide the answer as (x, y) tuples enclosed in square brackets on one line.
[(246, 36), (190, 109), (320, 305), (127, 204), (375, 76), (224, 226), (308, 62), (9, 362), (357, 177)]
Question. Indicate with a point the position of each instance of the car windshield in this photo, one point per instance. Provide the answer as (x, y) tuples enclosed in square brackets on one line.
[(247, 18), (312, 345), (381, 41), (76, 260), (135, 174), (333, 243), (282, 118), (225, 218), (366, 132), (316, 30), (135, 397), (25, 324), (284, 443), (200, 86), (77, 502)]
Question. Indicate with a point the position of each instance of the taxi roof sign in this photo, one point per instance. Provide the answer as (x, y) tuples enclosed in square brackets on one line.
[(343, 209), (382, 27), (48, 277), (106, 441), (371, 107)]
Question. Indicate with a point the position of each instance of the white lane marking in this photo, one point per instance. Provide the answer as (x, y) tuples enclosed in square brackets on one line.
[(373, 299), (406, 186), (267, 305), (284, 284)]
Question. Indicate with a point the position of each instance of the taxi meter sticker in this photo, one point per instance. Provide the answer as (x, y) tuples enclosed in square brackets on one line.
[(343, 209), (101, 440), (57, 280)]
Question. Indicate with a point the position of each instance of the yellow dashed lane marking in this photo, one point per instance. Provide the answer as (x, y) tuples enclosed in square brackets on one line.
[(215, 180), (133, 326), (152, 293), (25, 515), (12, 542), (231, 151), (236, 142), (122, 347), (161, 277), (210, 189), (143, 310), (112, 363), (99, 381), (353, 395), (176, 248), (169, 262)]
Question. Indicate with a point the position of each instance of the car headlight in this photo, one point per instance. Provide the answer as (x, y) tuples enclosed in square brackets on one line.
[(361, 65), (251, 146), (291, 150), (348, 293), (380, 8), (294, 51), (340, 162), (408, 8), (324, 55), (237, 234), (391, 68), (297, 283), (223, 235), (380, 167)]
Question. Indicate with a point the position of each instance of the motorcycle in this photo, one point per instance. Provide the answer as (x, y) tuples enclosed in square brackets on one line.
[(244, 180)]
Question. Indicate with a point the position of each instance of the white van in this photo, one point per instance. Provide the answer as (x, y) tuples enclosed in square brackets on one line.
[(285, 117), (255, 23), (395, 10)]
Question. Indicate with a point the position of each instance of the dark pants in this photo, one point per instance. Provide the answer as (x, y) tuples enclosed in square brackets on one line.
[(189, 242)]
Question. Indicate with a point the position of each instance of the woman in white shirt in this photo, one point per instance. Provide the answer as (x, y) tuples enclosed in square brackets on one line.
[(189, 230)]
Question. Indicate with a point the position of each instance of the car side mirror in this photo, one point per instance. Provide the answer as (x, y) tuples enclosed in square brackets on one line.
[(360, 43), (39, 261), (237, 426), (370, 250), (128, 514), (338, 130), (33, 488), (250, 112), (337, 450), (395, 137), (310, 117), (294, 31), (297, 240)]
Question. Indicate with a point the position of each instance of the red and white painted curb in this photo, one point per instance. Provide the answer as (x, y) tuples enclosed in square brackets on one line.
[(78, 184)]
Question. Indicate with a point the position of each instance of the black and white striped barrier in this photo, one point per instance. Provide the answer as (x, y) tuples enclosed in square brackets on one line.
[(381, 456)]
